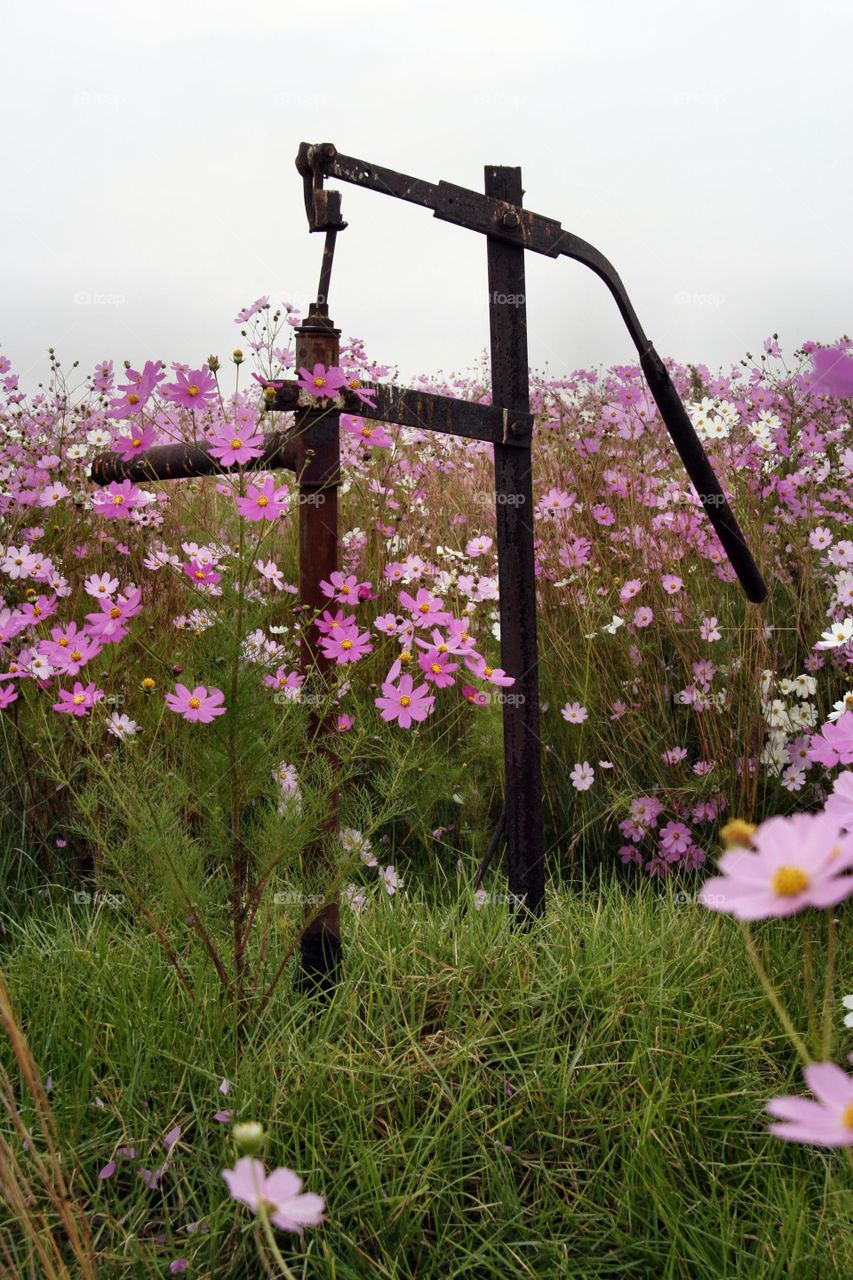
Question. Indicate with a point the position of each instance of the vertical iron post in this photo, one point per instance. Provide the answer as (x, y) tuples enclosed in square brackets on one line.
[(516, 568), (317, 456)]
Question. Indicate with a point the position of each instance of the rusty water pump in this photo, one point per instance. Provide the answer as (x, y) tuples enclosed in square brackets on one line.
[(312, 450)]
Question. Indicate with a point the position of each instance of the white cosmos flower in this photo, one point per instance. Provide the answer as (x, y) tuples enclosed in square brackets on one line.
[(838, 635)]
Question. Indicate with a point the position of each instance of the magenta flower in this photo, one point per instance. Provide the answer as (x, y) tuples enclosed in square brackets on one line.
[(8, 694), (428, 610), (109, 624), (117, 500), (194, 389), (839, 806), (345, 590), (136, 390), (367, 433), (79, 701), (438, 668), (289, 1207), (796, 862), (199, 704), (322, 382), (346, 645), (405, 703), (834, 744), (230, 446), (201, 573), (825, 1123), (263, 502), (833, 375), (128, 445)]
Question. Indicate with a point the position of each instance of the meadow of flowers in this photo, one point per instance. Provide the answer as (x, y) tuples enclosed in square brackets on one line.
[(160, 740)]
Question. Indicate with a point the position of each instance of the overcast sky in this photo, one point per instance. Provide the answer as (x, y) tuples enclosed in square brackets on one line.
[(149, 188)]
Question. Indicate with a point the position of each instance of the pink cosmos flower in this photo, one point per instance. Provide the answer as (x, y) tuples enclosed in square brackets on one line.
[(79, 701), (425, 608), (796, 862), (481, 668), (8, 694), (437, 668), (263, 502), (405, 703), (137, 390), (199, 704), (100, 585), (117, 500), (344, 723), (671, 583), (289, 1207), (477, 697), (247, 312), (834, 744), (827, 1122), (366, 395), (322, 382), (202, 574), (67, 659), (574, 713), (478, 546), (833, 373), (582, 776), (128, 444), (643, 616), (232, 446), (345, 590), (109, 625), (372, 434), (839, 806), (332, 623), (194, 389), (347, 645)]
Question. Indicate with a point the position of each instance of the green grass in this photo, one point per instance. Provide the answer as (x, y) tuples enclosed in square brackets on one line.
[(583, 1099)]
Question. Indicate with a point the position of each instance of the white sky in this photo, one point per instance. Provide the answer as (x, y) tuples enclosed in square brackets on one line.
[(148, 151)]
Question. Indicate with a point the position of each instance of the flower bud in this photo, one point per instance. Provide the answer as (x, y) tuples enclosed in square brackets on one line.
[(738, 832), (249, 1137), (237, 355), (213, 363)]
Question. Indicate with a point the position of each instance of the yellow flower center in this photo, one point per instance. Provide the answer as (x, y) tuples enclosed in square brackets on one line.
[(195, 703), (848, 700), (344, 591), (346, 644), (405, 656), (847, 1116), (442, 648), (115, 612), (738, 832), (236, 443), (200, 574), (77, 699), (76, 655), (263, 502), (192, 390), (789, 881), (488, 671), (136, 442), (367, 432), (319, 382), (133, 398), (405, 700), (425, 607), (354, 383), (148, 683), (117, 499), (63, 641), (436, 668)]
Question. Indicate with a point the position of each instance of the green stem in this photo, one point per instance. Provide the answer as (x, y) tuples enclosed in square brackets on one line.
[(772, 996)]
